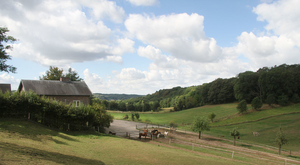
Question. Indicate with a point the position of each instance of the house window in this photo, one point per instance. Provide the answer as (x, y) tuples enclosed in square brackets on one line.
[(76, 103)]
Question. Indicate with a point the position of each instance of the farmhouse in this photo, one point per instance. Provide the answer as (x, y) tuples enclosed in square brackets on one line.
[(64, 90), (5, 87)]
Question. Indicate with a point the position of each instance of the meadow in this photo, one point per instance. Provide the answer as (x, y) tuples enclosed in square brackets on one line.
[(183, 117), (24, 142), (266, 122)]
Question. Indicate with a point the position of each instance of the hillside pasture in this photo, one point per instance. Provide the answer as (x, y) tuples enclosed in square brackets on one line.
[(266, 122), (183, 117), (23, 142), (267, 130)]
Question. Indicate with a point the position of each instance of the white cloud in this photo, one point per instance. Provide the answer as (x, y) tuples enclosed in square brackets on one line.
[(5, 78), (105, 9), (143, 2), (94, 82), (160, 61), (59, 33), (181, 35), (131, 74), (282, 42)]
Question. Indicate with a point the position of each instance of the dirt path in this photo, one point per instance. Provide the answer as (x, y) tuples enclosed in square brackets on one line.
[(121, 127)]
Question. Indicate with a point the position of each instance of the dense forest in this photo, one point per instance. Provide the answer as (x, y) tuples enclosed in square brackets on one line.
[(274, 85)]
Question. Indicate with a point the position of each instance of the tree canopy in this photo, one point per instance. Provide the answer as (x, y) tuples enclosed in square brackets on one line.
[(200, 124), (3, 54), (280, 140), (234, 133), (54, 73)]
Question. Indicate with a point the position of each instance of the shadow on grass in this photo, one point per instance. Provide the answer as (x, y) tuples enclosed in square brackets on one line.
[(211, 139), (46, 155), (59, 142), (35, 131), (247, 146)]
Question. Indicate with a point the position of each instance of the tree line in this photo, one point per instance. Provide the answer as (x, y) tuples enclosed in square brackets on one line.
[(271, 85)]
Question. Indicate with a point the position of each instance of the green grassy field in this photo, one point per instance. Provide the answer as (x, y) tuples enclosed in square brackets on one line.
[(183, 117), (266, 122), (23, 142)]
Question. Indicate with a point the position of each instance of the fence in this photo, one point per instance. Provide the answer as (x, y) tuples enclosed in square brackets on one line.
[(149, 126), (234, 154)]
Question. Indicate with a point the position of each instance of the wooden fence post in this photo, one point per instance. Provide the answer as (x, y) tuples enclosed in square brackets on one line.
[(232, 154), (68, 126), (28, 116), (193, 146)]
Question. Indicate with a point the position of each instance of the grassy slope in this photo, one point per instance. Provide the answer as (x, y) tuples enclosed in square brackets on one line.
[(267, 127), (185, 116), (22, 142)]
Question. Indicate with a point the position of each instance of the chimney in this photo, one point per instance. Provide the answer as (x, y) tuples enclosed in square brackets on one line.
[(64, 79)]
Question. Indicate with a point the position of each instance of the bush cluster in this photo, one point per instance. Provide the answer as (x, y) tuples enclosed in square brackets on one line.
[(52, 113)]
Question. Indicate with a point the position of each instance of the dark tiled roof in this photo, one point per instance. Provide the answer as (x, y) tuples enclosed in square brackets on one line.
[(53, 87), (5, 87)]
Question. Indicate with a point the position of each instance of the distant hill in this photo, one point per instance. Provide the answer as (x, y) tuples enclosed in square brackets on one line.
[(115, 96)]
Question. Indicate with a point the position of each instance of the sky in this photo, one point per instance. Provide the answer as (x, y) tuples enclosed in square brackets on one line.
[(142, 46)]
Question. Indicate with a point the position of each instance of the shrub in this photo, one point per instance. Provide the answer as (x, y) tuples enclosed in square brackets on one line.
[(137, 116), (256, 103), (212, 116), (295, 98), (283, 100), (271, 99), (172, 124), (242, 106)]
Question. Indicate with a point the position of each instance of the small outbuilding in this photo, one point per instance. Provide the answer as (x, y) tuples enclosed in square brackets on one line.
[(5, 87), (64, 90)]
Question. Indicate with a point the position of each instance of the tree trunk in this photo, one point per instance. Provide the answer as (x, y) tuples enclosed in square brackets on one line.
[(199, 134), (234, 140), (279, 150)]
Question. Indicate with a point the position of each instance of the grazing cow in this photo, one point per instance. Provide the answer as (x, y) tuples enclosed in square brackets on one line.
[(255, 134), (238, 137), (221, 136), (166, 133)]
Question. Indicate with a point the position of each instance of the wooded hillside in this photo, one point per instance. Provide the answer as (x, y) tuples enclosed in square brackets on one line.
[(274, 85)]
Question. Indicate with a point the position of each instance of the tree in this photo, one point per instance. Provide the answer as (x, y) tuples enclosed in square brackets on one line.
[(54, 73), (137, 116), (3, 54), (234, 133), (280, 140), (242, 106), (271, 99), (73, 75), (283, 100), (212, 116), (200, 124), (295, 98), (132, 117), (122, 106), (256, 103)]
